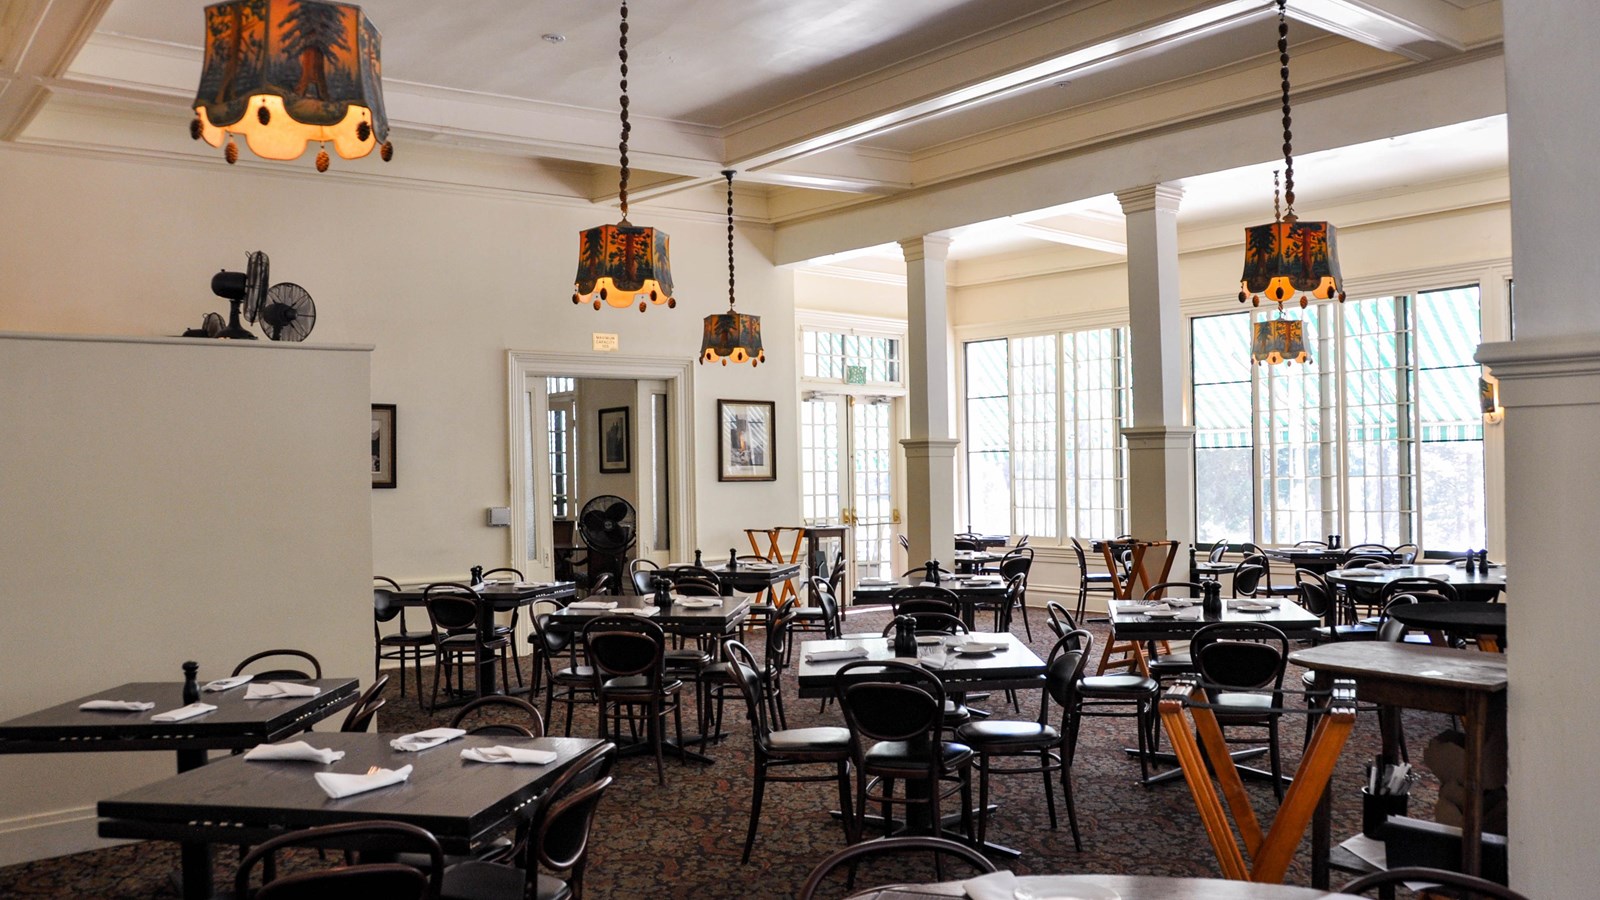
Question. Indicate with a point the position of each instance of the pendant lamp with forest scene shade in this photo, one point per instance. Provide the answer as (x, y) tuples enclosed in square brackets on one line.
[(623, 264), (731, 336), (289, 73), (1288, 258)]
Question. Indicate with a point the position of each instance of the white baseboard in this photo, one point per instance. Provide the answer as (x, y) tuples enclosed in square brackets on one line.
[(45, 835)]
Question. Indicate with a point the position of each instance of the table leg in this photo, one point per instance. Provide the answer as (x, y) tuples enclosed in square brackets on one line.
[(1476, 722), (195, 869), (1322, 819), (487, 682)]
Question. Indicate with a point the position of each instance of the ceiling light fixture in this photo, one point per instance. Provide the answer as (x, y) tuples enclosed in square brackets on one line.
[(1279, 340), (732, 336), (1287, 257), (623, 263), (286, 73)]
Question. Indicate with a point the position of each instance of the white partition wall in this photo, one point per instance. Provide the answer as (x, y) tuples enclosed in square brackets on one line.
[(164, 500)]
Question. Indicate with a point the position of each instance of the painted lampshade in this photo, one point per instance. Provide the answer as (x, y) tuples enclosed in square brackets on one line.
[(622, 265), (288, 73), (732, 337), (1288, 259), (1279, 340)]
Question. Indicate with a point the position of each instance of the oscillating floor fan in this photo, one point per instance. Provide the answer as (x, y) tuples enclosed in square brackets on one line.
[(608, 527)]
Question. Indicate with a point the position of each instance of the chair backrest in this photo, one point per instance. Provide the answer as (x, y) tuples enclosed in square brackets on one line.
[(644, 577), (930, 623), (1247, 577), (1406, 554), (314, 669), (564, 815), (1315, 594), (924, 598), (366, 706), (1240, 655), (1158, 590), (1355, 562), (384, 605), (1016, 562), (524, 720), (1218, 551), (697, 587), (1083, 562), (380, 839), (1421, 588), (677, 573), (452, 608), (1022, 542), (747, 677), (905, 542), (1060, 620), (1404, 875), (1380, 551), (504, 570), (967, 544), (852, 855), (625, 645), (1063, 671), (777, 652), (642, 565), (1311, 545), (544, 640), (891, 701), (388, 582), (823, 596), (602, 585)]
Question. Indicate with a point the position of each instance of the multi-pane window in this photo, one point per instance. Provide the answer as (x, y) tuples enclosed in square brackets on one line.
[(820, 459), (1044, 416), (850, 358), (563, 434), (1378, 438)]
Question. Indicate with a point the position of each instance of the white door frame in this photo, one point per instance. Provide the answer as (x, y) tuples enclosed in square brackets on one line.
[(522, 365)]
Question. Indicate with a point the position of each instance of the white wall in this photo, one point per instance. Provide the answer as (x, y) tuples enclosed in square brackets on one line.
[(595, 394), (160, 501), (442, 260)]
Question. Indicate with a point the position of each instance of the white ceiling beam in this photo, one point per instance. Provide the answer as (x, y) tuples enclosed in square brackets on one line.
[(1416, 29), (1072, 238), (38, 40)]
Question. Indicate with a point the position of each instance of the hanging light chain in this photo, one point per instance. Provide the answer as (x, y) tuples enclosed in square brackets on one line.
[(622, 54), (1288, 145), (728, 174)]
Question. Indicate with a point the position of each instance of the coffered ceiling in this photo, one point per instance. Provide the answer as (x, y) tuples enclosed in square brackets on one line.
[(827, 105)]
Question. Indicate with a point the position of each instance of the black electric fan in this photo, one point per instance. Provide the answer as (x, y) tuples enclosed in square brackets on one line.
[(284, 311), (244, 292), (608, 526), (288, 314)]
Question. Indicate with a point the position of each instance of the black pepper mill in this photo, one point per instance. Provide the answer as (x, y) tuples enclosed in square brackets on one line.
[(477, 575), (905, 636), (663, 588), (1211, 599), (191, 686), (698, 564), (733, 560), (932, 573)]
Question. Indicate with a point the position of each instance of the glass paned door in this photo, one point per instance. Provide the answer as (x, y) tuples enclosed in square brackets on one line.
[(848, 473)]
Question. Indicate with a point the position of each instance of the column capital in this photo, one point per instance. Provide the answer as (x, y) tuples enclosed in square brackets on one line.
[(932, 247), (930, 448), (1162, 197), (1163, 437), (1545, 371)]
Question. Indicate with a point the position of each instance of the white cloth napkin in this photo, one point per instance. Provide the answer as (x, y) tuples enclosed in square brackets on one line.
[(183, 712), (503, 754), (1358, 570), (422, 740), (224, 684), (593, 604), (277, 690), (1264, 601), (831, 655), (640, 611), (116, 705), (1001, 885), (338, 785), (696, 602), (972, 646), (296, 751)]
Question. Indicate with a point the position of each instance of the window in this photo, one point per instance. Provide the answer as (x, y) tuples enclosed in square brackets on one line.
[(1378, 438), (563, 435), (1044, 416), (850, 358)]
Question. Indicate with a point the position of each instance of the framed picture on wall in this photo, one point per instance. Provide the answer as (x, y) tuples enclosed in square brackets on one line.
[(614, 441), (744, 441), (383, 445)]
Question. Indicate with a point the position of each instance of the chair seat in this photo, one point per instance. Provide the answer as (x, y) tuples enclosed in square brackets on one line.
[(493, 881), (462, 643), (406, 639), (1178, 663), (810, 614), (638, 685), (573, 674), (687, 658), (898, 757), (819, 738), (1246, 703), (988, 734), (1117, 686), (1098, 578)]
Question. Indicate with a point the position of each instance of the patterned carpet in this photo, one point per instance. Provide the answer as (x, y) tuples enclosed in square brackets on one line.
[(683, 839)]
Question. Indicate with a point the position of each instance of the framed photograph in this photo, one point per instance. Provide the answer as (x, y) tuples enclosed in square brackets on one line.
[(383, 445), (744, 441), (614, 441)]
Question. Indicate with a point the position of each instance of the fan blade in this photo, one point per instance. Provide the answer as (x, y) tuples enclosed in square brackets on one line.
[(618, 511)]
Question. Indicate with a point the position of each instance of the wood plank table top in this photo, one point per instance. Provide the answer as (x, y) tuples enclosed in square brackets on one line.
[(683, 619), (1130, 619), (1014, 666), (1125, 887), (1419, 665), (1469, 585)]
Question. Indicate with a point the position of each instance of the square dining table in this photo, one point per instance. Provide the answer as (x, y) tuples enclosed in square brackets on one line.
[(238, 801), (972, 592), (1014, 666), (496, 597)]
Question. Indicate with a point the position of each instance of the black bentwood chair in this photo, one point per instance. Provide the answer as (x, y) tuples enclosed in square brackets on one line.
[(381, 840)]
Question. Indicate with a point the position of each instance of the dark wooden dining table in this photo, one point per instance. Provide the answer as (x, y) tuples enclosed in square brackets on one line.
[(1468, 585), (972, 592), (752, 574), (1466, 683), (497, 597), (237, 801), (1126, 887), (1131, 619), (1469, 619), (1320, 559)]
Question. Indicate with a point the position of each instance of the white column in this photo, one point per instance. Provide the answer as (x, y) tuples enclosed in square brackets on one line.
[(1160, 446), (930, 447), (1550, 387)]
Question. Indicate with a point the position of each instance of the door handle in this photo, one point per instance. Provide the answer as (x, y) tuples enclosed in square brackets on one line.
[(896, 519)]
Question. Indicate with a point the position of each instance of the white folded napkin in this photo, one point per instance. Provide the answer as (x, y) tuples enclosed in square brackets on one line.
[(480, 585), (422, 740), (632, 611), (1001, 885), (277, 690), (696, 602), (593, 604), (503, 754), (831, 655), (1264, 601), (338, 785), (295, 751), (224, 684), (116, 705), (1158, 607), (878, 582), (183, 712), (1358, 570), (982, 646)]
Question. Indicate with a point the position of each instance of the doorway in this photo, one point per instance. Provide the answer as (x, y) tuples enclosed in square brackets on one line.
[(849, 472)]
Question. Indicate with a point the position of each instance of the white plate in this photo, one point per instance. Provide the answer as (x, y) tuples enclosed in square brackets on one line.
[(977, 649), (1064, 887), (1253, 607), (929, 639), (1162, 613)]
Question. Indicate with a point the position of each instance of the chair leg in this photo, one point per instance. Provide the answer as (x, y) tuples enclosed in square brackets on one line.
[(846, 813), (755, 810), (1049, 793), (654, 728), (1026, 628), (983, 798), (1277, 765), (966, 805), (1072, 806), (1144, 751)]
